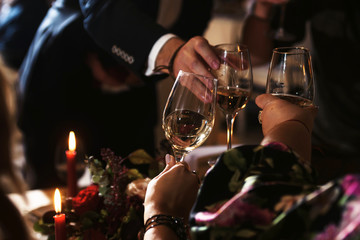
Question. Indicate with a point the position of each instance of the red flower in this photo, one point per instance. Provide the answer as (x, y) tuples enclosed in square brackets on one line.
[(86, 200)]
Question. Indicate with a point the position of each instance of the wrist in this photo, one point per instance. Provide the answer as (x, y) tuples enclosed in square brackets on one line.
[(166, 57), (293, 133), (158, 232), (176, 224), (162, 209), (308, 130)]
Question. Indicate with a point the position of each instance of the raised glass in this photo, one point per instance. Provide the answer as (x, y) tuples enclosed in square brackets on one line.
[(189, 113), (235, 82), (290, 75)]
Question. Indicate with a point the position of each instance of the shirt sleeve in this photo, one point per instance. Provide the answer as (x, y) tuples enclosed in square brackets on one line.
[(155, 51)]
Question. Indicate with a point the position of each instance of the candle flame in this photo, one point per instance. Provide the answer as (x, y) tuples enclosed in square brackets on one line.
[(72, 141), (57, 201)]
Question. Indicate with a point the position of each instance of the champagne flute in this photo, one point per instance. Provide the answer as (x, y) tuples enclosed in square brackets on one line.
[(189, 113), (280, 34), (290, 76), (235, 82)]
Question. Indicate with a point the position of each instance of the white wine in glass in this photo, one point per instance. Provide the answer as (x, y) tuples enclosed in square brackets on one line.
[(189, 113), (235, 82), (290, 76)]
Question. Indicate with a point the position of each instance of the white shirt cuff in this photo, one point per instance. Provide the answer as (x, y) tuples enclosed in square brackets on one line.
[(155, 51)]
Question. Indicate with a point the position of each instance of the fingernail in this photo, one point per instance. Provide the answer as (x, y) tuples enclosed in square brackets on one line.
[(167, 158)]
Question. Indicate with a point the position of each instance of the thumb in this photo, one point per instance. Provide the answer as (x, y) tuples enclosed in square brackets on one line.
[(170, 162), (264, 99)]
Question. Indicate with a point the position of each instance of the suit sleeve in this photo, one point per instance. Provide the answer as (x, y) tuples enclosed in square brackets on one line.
[(124, 28)]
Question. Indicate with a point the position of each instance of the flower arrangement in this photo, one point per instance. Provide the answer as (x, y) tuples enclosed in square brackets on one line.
[(112, 207)]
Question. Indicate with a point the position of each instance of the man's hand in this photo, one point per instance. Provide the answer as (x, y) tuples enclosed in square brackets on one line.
[(196, 56)]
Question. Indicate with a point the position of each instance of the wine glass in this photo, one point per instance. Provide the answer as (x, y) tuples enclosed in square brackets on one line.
[(235, 82), (189, 113), (290, 76), (280, 34)]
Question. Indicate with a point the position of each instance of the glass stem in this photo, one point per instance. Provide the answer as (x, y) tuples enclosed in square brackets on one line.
[(179, 155), (282, 16), (230, 126)]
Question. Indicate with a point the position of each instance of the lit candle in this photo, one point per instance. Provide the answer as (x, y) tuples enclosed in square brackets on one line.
[(71, 166), (60, 227)]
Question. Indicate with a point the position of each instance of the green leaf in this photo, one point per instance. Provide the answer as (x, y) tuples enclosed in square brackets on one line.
[(51, 237), (234, 160), (140, 156), (236, 181), (270, 162), (44, 228), (134, 174), (91, 215), (37, 227), (103, 190), (87, 223), (246, 233)]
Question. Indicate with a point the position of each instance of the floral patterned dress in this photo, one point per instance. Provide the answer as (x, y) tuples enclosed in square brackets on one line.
[(268, 192)]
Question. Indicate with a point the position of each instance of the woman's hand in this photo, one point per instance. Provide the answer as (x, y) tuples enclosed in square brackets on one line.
[(172, 192), (276, 111), (287, 123)]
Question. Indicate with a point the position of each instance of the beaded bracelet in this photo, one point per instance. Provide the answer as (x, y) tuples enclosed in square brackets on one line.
[(175, 223), (170, 67)]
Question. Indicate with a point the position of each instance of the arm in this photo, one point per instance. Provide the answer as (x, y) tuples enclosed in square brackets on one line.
[(255, 33), (264, 19), (172, 193), (287, 123), (127, 30)]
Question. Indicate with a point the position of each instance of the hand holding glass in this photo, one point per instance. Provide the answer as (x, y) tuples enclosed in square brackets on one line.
[(189, 113), (235, 82), (290, 76)]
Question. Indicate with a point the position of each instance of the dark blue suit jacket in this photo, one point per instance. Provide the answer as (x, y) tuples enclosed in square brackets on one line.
[(129, 26)]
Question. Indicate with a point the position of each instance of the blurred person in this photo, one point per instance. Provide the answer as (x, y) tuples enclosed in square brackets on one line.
[(19, 20), (12, 226), (335, 39), (68, 82)]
